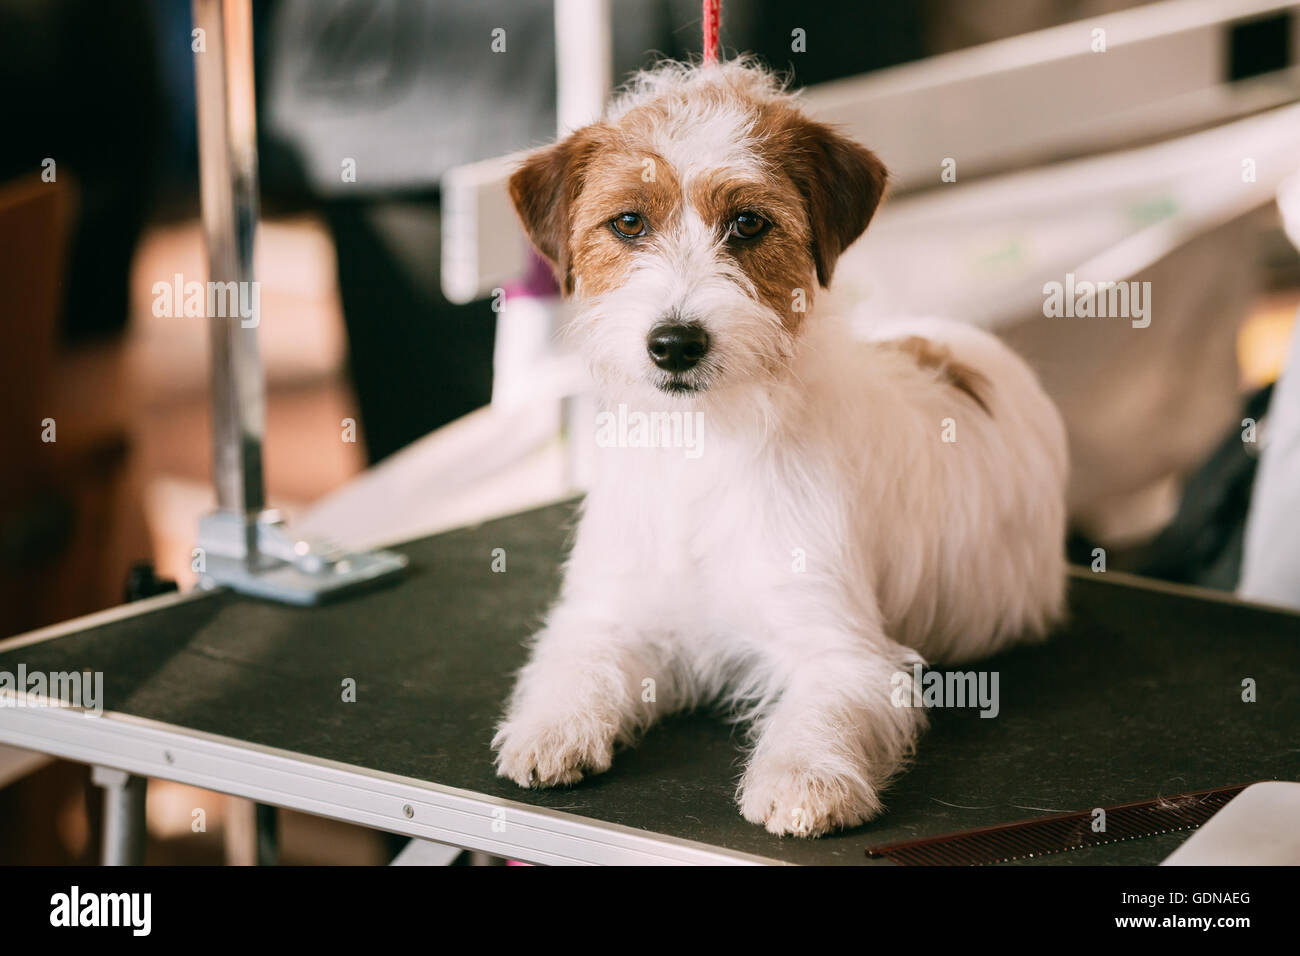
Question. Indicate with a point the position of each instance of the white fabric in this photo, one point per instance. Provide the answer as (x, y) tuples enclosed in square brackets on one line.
[(1270, 569)]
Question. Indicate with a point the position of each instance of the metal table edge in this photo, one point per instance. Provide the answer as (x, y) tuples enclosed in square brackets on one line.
[(346, 792)]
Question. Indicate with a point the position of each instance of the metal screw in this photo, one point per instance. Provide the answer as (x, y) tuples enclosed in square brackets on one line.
[(408, 811), (167, 754)]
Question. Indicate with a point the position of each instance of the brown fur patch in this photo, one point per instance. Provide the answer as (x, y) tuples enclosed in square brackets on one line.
[(544, 190), (931, 355), (779, 262), (841, 181), (617, 182)]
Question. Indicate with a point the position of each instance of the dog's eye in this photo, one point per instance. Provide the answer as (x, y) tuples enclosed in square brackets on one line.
[(748, 225), (628, 226)]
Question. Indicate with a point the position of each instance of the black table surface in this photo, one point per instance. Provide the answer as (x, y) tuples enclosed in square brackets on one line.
[(1138, 696)]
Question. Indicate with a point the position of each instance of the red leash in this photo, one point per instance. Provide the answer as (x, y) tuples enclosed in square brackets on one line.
[(712, 13)]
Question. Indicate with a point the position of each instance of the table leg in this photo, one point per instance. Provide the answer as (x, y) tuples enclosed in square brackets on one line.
[(268, 835), (124, 823), (419, 852), (252, 833)]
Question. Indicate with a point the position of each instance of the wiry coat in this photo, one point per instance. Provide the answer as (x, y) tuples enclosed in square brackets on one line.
[(854, 508)]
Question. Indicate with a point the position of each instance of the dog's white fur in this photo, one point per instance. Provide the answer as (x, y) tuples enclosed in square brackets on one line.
[(827, 538)]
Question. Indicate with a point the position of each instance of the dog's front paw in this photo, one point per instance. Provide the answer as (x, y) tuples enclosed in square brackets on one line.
[(788, 798), (550, 751)]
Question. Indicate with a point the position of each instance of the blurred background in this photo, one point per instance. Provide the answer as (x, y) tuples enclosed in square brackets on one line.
[(365, 105)]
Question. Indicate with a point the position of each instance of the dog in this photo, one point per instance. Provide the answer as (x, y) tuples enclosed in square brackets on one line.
[(858, 507)]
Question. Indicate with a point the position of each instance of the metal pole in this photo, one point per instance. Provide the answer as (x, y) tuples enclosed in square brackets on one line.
[(583, 79), (583, 62), (243, 545), (124, 818), (227, 123)]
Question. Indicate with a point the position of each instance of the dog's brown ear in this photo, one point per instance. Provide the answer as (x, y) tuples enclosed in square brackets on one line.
[(842, 183), (544, 189)]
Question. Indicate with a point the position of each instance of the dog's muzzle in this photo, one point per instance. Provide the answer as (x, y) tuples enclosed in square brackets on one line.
[(677, 348)]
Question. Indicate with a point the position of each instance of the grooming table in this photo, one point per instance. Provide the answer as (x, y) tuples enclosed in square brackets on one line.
[(1138, 696)]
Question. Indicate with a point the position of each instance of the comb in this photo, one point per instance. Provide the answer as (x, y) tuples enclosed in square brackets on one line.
[(1061, 833)]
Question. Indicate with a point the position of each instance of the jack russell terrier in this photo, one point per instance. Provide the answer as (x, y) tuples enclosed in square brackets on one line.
[(858, 506)]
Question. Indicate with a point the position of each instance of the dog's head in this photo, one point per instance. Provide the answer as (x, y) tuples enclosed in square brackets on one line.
[(693, 225)]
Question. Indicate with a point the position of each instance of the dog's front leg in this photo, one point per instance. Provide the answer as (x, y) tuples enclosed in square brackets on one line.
[(583, 690), (834, 737)]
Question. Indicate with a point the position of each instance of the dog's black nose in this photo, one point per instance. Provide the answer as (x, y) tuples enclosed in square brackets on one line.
[(676, 347)]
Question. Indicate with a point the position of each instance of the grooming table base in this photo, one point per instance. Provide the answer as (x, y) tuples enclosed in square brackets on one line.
[(1139, 695)]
